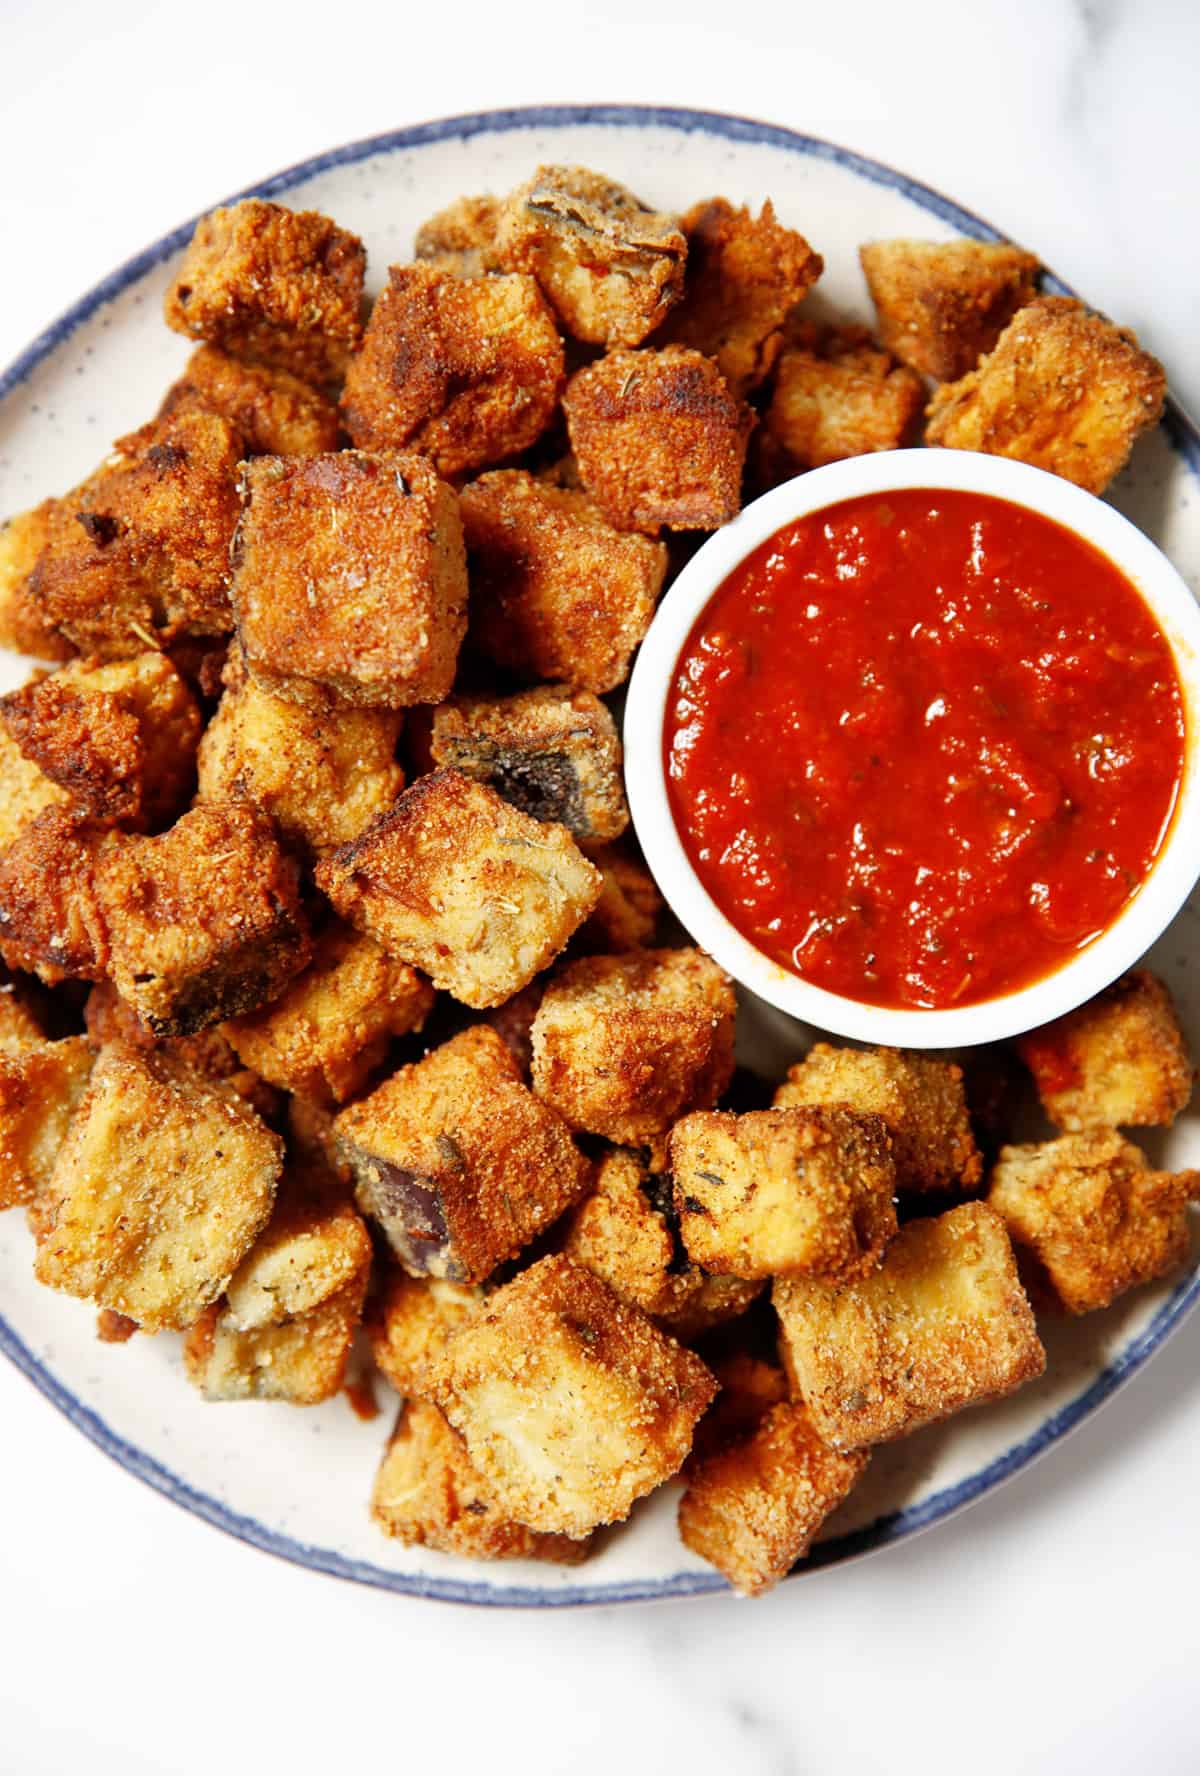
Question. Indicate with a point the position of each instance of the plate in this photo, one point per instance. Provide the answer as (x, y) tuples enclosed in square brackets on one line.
[(296, 1482)]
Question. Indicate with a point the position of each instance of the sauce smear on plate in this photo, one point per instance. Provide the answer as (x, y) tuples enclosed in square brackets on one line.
[(923, 746)]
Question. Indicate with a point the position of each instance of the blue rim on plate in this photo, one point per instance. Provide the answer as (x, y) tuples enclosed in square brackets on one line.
[(896, 1525)]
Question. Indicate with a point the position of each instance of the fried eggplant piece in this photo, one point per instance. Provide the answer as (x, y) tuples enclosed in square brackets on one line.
[(203, 922), (941, 1325), (322, 772), (920, 1098), (41, 1084), (276, 413), (460, 240), (138, 556), (110, 1019), (25, 791), (943, 304), (428, 1493), (350, 576), (1063, 389), (556, 591), (160, 1188), (1120, 1060), (744, 277), (627, 913), (465, 370), (624, 1045), (301, 1360), (272, 286), (330, 1028), (659, 439), (118, 736), (461, 885), (611, 266), (457, 1161), (573, 1404), (313, 1246), (409, 1323), (51, 923), (1093, 1212), (835, 395), (22, 625), (552, 752), (804, 1192), (749, 1389)]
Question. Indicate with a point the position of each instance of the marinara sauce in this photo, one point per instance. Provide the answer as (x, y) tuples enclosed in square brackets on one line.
[(923, 746)]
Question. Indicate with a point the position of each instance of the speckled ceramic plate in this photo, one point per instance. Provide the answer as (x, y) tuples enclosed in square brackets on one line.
[(295, 1483)]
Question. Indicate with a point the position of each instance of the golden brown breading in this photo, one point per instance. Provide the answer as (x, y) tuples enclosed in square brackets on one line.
[(1064, 389), (160, 1188), (350, 574), (204, 921), (272, 286), (513, 1023), (301, 1360), (556, 591), (611, 266), (409, 1323), (572, 1404), (919, 1097), (623, 1045), (314, 1245), (718, 1300), (41, 1084), (322, 772), (630, 905), (943, 304), (110, 1019), (464, 887), (330, 1027), (1094, 1214), (803, 1192), (749, 1389), (457, 1160), (119, 736), (1121, 1059), (276, 413), (25, 791), (552, 752), (466, 370), (754, 1508), (50, 920), (138, 556), (659, 439), (428, 1493), (943, 1324), (114, 1328), (22, 626), (835, 395), (461, 239), (744, 277)]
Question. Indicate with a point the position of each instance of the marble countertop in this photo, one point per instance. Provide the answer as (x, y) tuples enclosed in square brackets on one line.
[(1052, 1627)]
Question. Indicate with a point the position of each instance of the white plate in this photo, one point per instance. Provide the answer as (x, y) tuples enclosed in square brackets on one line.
[(296, 1482)]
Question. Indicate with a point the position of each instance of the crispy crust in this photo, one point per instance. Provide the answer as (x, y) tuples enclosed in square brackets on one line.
[(1119, 1060), (461, 239), (835, 395), (410, 1322), (943, 304), (41, 1084), (275, 413), (301, 1360), (22, 626), (314, 1245), (109, 1019), (627, 913), (51, 922), (25, 791)]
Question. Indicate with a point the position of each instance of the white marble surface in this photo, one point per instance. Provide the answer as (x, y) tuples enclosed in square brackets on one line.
[(1052, 1627)]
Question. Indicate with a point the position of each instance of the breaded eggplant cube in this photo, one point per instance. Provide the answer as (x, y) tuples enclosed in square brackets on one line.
[(464, 887), (322, 772), (572, 1403), (659, 439), (624, 1045), (465, 370), (203, 921), (461, 239), (41, 1084), (1096, 1216), (25, 791), (943, 1324), (611, 266), (803, 1192), (272, 286), (300, 1360), (138, 556), (942, 304), (22, 625), (109, 1019), (276, 413), (552, 752), (428, 1493), (920, 1098), (749, 1388), (745, 275), (753, 1508), (1063, 389), (835, 395), (50, 919), (457, 1161), (161, 1187), (350, 576), (627, 913), (556, 591), (330, 1027), (1121, 1060), (409, 1323), (118, 736)]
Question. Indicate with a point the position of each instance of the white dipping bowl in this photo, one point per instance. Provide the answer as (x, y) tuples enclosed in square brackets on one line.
[(1142, 920)]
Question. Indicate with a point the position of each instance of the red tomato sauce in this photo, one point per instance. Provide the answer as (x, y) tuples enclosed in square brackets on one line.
[(923, 746)]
